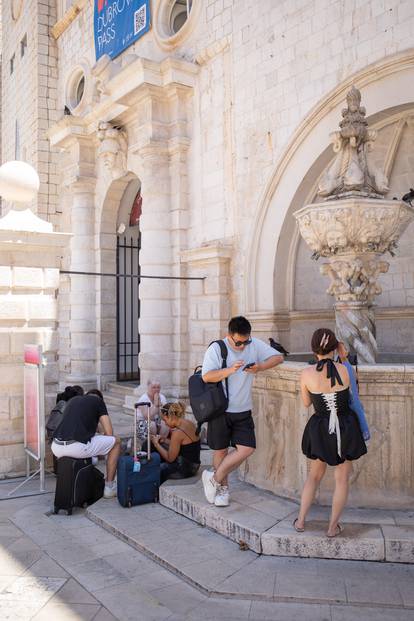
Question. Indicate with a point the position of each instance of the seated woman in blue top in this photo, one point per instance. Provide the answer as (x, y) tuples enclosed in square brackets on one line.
[(180, 454), (333, 434)]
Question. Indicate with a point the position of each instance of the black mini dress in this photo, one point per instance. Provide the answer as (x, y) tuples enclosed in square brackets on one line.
[(332, 434)]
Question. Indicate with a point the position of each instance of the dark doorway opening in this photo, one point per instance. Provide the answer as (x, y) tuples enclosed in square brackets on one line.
[(128, 307)]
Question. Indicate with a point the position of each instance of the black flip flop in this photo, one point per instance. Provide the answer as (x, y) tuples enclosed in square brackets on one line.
[(297, 529)]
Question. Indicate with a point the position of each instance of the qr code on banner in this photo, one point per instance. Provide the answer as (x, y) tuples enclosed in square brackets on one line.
[(140, 19)]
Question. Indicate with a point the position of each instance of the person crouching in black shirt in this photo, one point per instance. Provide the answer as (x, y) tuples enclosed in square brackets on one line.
[(76, 436)]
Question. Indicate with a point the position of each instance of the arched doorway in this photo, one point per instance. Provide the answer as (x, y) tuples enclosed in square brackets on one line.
[(127, 291), (115, 230)]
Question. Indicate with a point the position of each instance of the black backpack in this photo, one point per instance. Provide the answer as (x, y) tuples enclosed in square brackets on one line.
[(208, 400), (56, 416)]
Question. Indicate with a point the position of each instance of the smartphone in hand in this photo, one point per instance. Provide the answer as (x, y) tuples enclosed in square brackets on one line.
[(248, 366)]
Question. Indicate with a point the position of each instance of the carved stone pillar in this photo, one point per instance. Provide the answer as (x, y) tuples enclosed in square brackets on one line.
[(156, 324)]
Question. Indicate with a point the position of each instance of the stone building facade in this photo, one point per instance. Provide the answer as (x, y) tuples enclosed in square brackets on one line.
[(223, 126)]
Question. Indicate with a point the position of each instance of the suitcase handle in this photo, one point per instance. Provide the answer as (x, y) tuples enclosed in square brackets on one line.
[(146, 404)]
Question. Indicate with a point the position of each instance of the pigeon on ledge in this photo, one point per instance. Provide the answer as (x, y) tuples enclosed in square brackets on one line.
[(278, 346), (409, 197)]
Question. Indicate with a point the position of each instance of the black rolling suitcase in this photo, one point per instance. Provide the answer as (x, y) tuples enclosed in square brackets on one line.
[(78, 484)]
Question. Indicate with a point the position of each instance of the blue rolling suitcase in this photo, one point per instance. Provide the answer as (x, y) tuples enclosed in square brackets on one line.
[(138, 476)]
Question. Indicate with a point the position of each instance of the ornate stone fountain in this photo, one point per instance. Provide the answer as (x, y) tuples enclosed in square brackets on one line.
[(353, 228)]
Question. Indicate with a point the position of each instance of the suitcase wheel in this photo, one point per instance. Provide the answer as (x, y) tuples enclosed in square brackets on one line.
[(69, 511), (55, 510)]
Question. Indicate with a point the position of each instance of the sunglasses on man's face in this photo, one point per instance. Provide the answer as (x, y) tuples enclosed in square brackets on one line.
[(241, 343)]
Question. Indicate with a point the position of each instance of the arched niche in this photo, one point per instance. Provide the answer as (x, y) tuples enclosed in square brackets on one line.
[(283, 281), (384, 86)]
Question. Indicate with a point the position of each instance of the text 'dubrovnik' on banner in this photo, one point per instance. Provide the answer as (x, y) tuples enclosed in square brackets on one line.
[(118, 24)]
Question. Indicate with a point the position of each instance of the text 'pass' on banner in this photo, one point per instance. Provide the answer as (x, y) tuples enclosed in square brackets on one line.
[(118, 24)]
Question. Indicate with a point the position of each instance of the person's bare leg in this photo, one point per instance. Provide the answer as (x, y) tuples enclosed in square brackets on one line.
[(231, 462), (218, 457), (317, 470), (112, 460), (340, 495)]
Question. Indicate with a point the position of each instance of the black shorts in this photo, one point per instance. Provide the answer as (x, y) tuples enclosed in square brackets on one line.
[(231, 428)]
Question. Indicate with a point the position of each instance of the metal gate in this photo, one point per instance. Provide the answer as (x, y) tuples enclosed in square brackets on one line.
[(128, 307)]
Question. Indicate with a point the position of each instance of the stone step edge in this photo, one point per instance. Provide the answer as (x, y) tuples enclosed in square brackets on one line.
[(222, 593), (191, 510)]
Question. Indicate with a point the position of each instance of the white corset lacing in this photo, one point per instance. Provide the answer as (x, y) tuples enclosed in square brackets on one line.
[(330, 400)]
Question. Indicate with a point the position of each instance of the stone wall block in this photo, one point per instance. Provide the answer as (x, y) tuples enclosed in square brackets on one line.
[(18, 339), (11, 375), (4, 407), (154, 308), (205, 310), (16, 407), (5, 277), (12, 309), (51, 278), (27, 278), (4, 343), (43, 307)]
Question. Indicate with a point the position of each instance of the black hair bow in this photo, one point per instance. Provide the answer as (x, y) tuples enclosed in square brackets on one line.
[(331, 370)]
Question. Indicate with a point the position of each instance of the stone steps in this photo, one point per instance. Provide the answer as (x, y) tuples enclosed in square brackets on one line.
[(263, 522), (220, 568), (120, 388)]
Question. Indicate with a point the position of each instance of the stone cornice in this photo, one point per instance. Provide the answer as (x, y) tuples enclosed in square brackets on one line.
[(26, 241), (67, 130), (326, 314), (213, 253), (70, 15), (142, 72), (123, 89)]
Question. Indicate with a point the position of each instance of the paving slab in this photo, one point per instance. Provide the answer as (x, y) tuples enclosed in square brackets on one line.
[(399, 543), (63, 612), (357, 542), (129, 603), (351, 613), (32, 589), (271, 611)]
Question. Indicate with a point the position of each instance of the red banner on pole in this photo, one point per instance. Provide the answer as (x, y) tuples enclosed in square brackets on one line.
[(33, 400)]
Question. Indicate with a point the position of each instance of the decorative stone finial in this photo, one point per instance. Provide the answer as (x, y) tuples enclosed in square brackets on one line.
[(113, 149), (351, 173)]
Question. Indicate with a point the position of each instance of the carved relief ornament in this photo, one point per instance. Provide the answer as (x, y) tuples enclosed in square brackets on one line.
[(112, 150)]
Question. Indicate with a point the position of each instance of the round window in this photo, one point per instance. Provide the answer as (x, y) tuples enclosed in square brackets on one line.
[(174, 20), (80, 89), (180, 12), (77, 91)]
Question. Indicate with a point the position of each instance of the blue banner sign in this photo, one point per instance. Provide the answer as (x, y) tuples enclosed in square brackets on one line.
[(118, 24)]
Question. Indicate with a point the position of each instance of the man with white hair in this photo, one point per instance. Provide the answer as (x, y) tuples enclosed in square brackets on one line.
[(157, 400)]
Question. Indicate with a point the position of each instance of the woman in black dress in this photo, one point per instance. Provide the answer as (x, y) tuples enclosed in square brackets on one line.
[(332, 435), (180, 454)]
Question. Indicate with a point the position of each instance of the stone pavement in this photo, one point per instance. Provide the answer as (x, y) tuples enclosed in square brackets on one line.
[(264, 522), (68, 568)]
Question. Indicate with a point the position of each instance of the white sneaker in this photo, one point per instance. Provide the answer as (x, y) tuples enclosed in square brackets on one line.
[(110, 490), (222, 498), (210, 486)]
